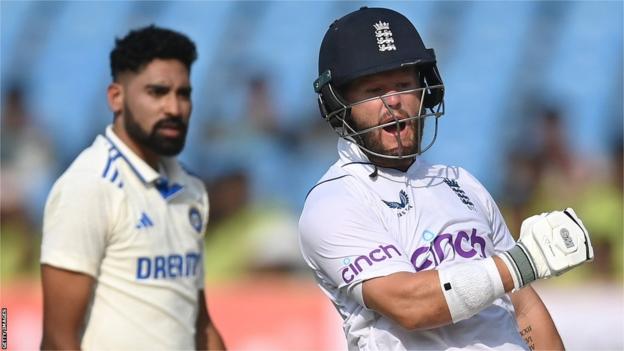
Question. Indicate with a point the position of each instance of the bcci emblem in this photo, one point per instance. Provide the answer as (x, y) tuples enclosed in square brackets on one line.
[(195, 219)]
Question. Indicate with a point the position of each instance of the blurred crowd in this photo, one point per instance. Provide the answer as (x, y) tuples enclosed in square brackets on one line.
[(253, 232), (544, 173), (28, 165), (534, 110), (257, 139)]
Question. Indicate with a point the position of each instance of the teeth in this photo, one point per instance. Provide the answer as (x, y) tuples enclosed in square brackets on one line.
[(393, 127)]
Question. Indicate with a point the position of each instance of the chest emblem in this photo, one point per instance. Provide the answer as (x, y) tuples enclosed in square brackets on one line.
[(459, 192), (195, 218), (144, 221), (402, 206)]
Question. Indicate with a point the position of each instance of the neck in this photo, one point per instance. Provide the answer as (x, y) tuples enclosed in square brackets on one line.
[(401, 164), (151, 158)]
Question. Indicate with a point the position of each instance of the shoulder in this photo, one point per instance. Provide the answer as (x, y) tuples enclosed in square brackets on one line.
[(330, 180), (94, 158), (98, 162), (93, 169), (333, 209), (335, 188), (83, 188), (192, 180), (469, 181), (91, 177), (452, 174), (466, 186)]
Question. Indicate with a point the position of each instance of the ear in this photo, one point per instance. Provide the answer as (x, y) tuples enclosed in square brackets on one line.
[(115, 96)]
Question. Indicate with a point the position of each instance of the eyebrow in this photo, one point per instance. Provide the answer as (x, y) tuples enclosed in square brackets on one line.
[(186, 88), (157, 86)]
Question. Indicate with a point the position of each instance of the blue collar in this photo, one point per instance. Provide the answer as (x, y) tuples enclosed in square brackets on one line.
[(143, 171)]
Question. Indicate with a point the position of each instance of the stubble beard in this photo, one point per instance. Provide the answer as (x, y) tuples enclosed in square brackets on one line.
[(372, 141)]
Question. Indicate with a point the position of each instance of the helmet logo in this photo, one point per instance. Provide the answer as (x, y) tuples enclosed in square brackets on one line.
[(385, 42)]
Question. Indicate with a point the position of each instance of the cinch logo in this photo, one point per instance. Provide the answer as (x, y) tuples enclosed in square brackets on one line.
[(402, 206), (446, 246), (376, 255), (168, 267)]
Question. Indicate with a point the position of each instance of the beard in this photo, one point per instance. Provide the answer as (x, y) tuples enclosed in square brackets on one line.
[(373, 141), (152, 140)]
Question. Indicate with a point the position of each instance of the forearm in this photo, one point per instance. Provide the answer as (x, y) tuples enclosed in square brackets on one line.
[(418, 300), (215, 342), (434, 298), (534, 322), (550, 244), (413, 300), (53, 340), (66, 295), (209, 338)]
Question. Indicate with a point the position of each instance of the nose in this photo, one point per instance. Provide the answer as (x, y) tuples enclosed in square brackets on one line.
[(392, 100), (172, 105)]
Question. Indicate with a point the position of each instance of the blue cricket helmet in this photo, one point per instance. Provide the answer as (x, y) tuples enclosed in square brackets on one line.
[(366, 42)]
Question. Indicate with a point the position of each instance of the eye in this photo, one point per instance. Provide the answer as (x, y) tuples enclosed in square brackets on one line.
[(373, 91), (407, 85), (185, 93)]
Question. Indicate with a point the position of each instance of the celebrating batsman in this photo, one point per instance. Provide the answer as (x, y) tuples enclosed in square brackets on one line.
[(415, 255)]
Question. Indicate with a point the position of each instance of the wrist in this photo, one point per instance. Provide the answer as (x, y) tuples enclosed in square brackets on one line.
[(520, 265), (505, 274)]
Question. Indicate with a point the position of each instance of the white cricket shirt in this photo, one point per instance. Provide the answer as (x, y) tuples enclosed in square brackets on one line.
[(140, 234), (355, 227)]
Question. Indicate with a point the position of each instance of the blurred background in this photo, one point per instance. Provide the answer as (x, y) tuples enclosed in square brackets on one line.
[(533, 109)]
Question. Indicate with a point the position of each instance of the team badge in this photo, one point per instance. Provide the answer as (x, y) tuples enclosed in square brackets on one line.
[(385, 41), (452, 183), (195, 219)]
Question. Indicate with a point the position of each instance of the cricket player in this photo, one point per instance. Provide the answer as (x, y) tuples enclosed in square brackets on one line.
[(122, 251), (416, 256)]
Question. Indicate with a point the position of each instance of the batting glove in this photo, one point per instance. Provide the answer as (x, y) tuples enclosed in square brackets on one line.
[(549, 245)]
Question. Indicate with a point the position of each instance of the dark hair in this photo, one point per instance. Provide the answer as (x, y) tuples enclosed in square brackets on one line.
[(140, 46)]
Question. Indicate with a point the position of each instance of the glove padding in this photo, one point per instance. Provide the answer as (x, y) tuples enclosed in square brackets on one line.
[(549, 245)]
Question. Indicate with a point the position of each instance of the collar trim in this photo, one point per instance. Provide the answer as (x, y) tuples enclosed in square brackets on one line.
[(143, 171)]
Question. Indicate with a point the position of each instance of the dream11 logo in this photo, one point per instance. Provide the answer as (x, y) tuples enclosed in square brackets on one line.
[(445, 246)]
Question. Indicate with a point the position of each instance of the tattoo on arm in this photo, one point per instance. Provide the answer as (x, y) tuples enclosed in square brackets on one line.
[(526, 334)]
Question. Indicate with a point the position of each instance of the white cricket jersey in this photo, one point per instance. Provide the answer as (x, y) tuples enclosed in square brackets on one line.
[(139, 233), (356, 226)]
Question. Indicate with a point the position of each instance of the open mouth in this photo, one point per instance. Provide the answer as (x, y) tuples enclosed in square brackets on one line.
[(395, 127)]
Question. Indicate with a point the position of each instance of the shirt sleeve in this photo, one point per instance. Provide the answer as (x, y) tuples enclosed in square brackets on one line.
[(76, 223), (346, 243)]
